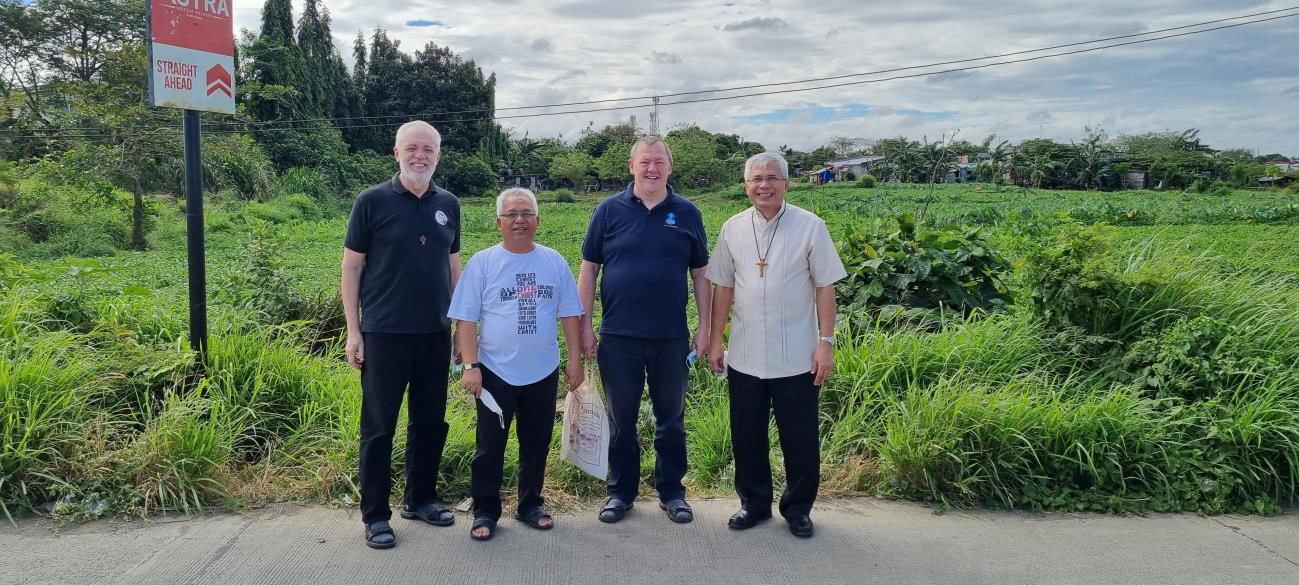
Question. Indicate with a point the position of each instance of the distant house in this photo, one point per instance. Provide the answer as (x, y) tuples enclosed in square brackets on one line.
[(1134, 180), (1286, 166), (858, 166)]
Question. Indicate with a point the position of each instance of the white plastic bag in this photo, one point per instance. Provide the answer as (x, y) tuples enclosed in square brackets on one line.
[(585, 437)]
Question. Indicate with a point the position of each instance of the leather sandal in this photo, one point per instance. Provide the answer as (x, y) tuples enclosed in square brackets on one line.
[(533, 518), (379, 535), (482, 522), (433, 513), (614, 510), (678, 510)]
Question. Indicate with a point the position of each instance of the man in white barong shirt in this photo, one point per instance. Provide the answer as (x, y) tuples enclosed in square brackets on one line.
[(775, 266)]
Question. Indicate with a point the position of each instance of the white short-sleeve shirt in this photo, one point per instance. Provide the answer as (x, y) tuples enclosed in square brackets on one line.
[(517, 299), (774, 330)]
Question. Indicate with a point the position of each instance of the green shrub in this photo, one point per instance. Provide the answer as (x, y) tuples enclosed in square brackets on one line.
[(1068, 277), (464, 174), (919, 267), (306, 181), (867, 181), (557, 195), (263, 287), (1195, 359)]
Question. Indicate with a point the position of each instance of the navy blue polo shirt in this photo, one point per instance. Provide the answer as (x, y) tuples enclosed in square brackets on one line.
[(406, 282), (645, 255)]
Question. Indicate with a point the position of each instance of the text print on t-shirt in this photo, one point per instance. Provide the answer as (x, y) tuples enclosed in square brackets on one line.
[(527, 291)]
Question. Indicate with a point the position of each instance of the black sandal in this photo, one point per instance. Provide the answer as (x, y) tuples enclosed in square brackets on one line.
[(614, 509), (533, 518), (379, 535), (433, 513), (483, 522)]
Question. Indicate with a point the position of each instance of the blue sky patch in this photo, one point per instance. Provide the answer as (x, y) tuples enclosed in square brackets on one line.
[(827, 114), (425, 23)]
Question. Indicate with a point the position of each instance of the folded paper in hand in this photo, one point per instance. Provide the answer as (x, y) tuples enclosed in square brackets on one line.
[(490, 403)]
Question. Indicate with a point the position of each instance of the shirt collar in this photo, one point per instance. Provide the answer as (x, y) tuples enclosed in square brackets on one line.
[(629, 195), (400, 189), (762, 222)]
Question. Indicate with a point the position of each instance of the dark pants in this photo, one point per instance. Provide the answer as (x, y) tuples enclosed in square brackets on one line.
[(534, 405), (625, 363), (795, 401), (392, 363)]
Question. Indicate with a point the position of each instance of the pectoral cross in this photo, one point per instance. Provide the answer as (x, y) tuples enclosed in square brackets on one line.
[(762, 267), (423, 239)]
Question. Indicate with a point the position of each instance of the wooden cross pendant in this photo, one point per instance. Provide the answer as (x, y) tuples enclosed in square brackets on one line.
[(762, 267), (423, 239)]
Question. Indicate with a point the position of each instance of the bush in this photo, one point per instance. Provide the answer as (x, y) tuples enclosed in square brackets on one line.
[(866, 181), (1068, 279), (1196, 359), (557, 195), (465, 175), (307, 181), (915, 267)]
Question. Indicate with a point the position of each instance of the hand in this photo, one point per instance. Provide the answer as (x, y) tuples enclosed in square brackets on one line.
[(700, 344), (574, 374), (472, 380), (822, 362), (589, 342), (716, 356), (354, 350)]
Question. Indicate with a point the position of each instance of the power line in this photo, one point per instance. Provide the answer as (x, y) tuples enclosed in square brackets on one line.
[(730, 97)]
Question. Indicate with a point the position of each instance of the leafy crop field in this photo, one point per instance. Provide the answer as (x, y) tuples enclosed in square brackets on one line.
[(1146, 358)]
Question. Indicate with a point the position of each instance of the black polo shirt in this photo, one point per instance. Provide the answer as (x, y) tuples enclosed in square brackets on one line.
[(406, 282), (645, 255)]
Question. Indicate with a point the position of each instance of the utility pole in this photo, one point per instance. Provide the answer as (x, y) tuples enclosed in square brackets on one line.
[(654, 118)]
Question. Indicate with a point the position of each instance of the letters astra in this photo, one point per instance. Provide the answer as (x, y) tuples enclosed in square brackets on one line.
[(219, 7)]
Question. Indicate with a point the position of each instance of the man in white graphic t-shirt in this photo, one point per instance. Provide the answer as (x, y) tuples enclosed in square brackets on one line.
[(507, 303)]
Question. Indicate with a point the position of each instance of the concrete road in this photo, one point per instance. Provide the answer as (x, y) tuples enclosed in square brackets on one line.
[(858, 541)]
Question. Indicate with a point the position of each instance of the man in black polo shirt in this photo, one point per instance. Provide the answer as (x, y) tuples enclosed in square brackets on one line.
[(401, 260), (645, 239)]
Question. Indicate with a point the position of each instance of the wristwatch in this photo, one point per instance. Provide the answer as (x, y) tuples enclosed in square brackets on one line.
[(471, 365), (828, 339)]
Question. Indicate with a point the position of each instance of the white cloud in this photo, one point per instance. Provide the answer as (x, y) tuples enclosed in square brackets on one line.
[(1237, 86)]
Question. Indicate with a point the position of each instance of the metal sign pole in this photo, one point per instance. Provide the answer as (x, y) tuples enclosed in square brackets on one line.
[(194, 229)]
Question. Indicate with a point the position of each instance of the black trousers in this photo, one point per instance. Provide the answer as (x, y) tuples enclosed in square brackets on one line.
[(534, 406), (794, 400), (393, 363), (625, 364)]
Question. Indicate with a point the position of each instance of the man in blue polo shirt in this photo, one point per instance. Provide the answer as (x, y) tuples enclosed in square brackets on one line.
[(646, 239), (401, 260)]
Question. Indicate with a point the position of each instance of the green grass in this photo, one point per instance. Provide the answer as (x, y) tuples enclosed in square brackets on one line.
[(101, 398)]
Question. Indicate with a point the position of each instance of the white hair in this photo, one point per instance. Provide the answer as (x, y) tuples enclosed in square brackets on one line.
[(766, 159), (515, 192), (437, 136), (650, 141)]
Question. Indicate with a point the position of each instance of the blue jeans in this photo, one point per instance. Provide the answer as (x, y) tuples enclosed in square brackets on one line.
[(625, 365)]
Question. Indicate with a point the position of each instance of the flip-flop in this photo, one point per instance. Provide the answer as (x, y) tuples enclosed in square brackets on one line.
[(533, 518), (483, 522)]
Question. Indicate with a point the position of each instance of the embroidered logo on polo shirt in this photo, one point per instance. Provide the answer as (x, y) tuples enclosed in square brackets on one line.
[(672, 219), (441, 217)]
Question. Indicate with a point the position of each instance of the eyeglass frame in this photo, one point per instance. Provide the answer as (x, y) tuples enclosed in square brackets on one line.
[(513, 215)]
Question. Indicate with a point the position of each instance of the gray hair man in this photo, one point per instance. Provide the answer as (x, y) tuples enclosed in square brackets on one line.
[(505, 309), (774, 269), (401, 260)]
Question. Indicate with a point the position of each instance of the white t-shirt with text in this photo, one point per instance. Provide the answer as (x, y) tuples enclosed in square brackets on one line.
[(517, 300)]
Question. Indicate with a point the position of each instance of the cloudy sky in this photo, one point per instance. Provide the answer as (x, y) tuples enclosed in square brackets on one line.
[(1239, 86)]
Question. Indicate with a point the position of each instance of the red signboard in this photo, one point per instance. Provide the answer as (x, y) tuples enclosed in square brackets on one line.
[(191, 54)]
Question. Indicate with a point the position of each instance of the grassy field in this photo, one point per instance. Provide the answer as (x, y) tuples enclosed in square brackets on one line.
[(1186, 399)]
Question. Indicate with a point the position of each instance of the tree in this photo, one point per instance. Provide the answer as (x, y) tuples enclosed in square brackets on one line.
[(573, 166), (843, 146), (81, 34), (1090, 158)]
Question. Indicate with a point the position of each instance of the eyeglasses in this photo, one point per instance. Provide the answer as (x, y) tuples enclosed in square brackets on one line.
[(767, 179), (513, 215)]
